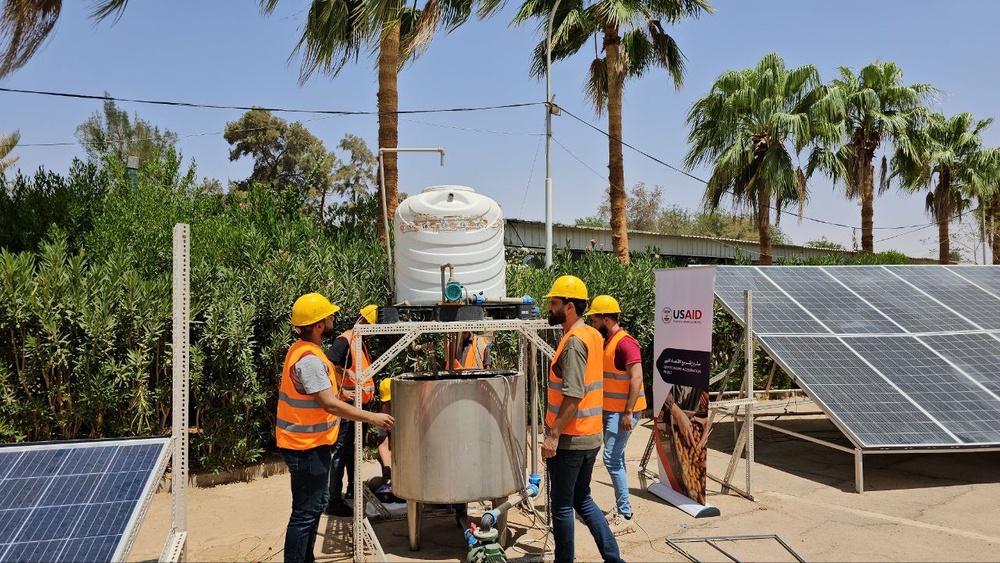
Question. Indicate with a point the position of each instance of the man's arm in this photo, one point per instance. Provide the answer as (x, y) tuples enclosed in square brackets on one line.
[(331, 404), (566, 413), (634, 388)]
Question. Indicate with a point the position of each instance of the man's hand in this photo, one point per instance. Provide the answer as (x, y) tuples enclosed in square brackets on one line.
[(347, 395), (382, 420), (625, 421), (549, 446)]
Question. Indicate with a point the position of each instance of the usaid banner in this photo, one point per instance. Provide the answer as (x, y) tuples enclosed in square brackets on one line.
[(682, 354)]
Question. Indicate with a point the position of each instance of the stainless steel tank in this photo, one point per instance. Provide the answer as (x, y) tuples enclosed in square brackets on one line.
[(458, 437)]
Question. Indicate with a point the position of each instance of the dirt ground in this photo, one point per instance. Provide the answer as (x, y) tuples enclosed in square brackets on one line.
[(917, 507)]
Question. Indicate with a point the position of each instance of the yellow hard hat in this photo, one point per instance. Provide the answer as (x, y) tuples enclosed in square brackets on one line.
[(369, 312), (384, 390), (311, 308), (603, 305), (569, 287)]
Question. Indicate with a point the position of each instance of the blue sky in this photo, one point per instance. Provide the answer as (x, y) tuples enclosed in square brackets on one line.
[(224, 52)]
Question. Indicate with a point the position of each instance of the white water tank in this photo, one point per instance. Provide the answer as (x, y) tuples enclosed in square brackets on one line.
[(448, 224)]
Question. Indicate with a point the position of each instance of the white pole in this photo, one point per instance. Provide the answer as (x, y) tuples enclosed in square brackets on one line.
[(548, 138)]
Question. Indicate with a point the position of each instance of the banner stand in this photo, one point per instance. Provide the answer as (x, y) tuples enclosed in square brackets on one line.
[(682, 502), (744, 442)]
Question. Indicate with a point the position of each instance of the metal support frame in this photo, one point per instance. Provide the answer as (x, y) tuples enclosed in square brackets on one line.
[(711, 540), (175, 548), (364, 535), (745, 439)]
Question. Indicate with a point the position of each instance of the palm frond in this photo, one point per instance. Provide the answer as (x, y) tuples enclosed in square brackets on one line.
[(24, 27), (596, 86)]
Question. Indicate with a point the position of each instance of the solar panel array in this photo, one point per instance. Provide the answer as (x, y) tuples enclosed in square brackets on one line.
[(897, 356), (76, 501)]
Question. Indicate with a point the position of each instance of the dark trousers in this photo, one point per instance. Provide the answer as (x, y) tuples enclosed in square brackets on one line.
[(309, 470), (343, 461), (569, 478)]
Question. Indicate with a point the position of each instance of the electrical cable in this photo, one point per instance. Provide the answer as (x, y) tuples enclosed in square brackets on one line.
[(270, 109)]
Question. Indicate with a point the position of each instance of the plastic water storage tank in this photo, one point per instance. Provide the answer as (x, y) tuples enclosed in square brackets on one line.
[(448, 224)]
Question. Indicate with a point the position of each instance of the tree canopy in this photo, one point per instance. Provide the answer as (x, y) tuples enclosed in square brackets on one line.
[(112, 133)]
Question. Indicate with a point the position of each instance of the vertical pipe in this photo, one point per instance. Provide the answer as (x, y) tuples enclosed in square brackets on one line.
[(534, 407)]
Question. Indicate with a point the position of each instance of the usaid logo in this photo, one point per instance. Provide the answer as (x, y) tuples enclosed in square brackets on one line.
[(668, 315)]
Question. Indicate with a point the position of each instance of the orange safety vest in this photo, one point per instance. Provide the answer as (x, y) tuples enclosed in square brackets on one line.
[(302, 423), (616, 382), (587, 420), (345, 376), (473, 358)]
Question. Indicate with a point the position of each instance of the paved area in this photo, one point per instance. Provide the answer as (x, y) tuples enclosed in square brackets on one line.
[(917, 507)]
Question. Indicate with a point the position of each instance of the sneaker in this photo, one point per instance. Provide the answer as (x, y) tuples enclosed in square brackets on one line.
[(609, 514), (339, 509), (620, 525)]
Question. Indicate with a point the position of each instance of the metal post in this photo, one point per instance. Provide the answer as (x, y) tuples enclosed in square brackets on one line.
[(533, 377), (180, 361), (132, 165), (748, 417), (385, 208), (982, 213), (859, 470), (360, 377), (548, 138)]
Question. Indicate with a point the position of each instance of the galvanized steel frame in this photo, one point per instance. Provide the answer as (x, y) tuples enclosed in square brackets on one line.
[(175, 549), (364, 535)]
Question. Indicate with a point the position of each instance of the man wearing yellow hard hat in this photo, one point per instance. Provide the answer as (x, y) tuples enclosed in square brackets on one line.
[(573, 420), (624, 399), (347, 366), (309, 413)]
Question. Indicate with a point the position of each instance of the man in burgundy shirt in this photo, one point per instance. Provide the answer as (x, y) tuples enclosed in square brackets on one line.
[(624, 400)]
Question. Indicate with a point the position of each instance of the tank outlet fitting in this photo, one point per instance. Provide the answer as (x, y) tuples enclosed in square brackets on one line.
[(534, 481)]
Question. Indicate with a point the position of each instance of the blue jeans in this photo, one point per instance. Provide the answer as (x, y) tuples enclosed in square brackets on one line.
[(343, 461), (569, 479), (614, 458), (309, 470)]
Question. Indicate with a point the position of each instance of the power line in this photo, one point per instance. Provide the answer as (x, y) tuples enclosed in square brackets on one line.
[(703, 181), (270, 109)]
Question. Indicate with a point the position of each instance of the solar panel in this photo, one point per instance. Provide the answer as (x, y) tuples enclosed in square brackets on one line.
[(861, 402), (774, 312), (961, 296), (76, 501), (911, 354)]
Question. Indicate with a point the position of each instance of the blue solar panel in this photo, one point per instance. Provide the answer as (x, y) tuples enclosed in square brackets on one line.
[(75, 501), (912, 354)]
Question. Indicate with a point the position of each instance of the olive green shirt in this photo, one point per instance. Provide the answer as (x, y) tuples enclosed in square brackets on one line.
[(571, 366)]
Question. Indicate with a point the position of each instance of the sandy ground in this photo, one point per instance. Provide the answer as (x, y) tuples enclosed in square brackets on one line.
[(917, 507)]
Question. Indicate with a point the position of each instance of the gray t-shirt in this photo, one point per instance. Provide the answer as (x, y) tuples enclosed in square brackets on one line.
[(571, 366), (310, 375)]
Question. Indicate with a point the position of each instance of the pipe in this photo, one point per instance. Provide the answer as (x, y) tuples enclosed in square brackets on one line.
[(451, 275), (385, 209), (534, 409), (548, 137), (490, 517)]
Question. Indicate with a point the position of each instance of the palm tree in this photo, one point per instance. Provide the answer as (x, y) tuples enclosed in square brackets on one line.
[(26, 24), (946, 157), (876, 107), (746, 128), (7, 143), (336, 31), (633, 42)]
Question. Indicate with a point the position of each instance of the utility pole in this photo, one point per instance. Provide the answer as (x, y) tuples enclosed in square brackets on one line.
[(549, 110)]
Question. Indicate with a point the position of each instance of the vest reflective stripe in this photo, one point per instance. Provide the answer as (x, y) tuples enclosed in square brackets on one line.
[(587, 420), (345, 377), (307, 428), (616, 381), (473, 356), (299, 403), (301, 424), (557, 385)]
